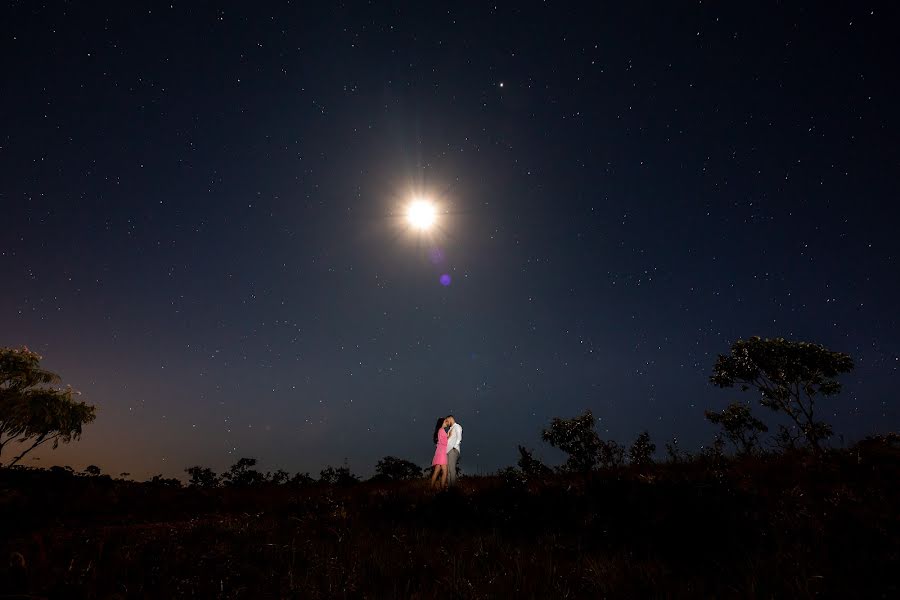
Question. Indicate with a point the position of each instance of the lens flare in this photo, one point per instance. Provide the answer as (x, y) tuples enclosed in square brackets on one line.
[(421, 214)]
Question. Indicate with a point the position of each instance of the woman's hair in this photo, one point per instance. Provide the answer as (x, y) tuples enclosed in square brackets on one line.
[(437, 427)]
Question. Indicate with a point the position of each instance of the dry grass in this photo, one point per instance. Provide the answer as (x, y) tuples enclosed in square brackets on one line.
[(768, 527)]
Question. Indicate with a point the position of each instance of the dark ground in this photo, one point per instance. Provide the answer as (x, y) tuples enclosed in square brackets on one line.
[(777, 526)]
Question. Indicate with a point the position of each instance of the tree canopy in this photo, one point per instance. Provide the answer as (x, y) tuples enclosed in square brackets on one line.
[(242, 474), (740, 426), (531, 466), (641, 451), (337, 476), (577, 438), (391, 468), (32, 412), (789, 377), (202, 477)]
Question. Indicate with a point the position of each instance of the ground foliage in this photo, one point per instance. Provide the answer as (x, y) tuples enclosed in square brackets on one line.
[(786, 525)]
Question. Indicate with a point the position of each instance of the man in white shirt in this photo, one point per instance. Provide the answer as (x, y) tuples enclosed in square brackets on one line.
[(453, 442)]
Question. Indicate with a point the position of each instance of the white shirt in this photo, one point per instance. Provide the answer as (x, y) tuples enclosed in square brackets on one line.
[(455, 438)]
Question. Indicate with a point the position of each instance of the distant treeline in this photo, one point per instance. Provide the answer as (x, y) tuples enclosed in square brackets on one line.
[(784, 377)]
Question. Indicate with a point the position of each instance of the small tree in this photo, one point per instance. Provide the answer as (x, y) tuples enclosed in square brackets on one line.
[(676, 454), (715, 452), (31, 413), (641, 451), (530, 466), (391, 468), (577, 438), (337, 476), (612, 454), (787, 437), (92, 471), (242, 474), (789, 377), (280, 477), (202, 477), (512, 478), (301, 480), (161, 481), (740, 427)]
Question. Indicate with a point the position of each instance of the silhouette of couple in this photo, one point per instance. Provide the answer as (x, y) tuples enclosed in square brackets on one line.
[(447, 438)]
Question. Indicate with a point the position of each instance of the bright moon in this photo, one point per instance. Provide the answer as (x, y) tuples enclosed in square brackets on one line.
[(420, 214)]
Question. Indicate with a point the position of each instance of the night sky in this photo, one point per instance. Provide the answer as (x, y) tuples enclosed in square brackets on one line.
[(203, 218)]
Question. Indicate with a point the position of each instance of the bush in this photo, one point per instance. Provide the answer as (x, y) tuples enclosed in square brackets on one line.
[(391, 468), (530, 466), (242, 474), (202, 477), (641, 451), (577, 438), (337, 476)]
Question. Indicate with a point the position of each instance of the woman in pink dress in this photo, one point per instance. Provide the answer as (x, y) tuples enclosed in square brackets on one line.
[(440, 453)]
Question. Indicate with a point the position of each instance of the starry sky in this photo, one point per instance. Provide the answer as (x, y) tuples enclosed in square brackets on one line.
[(203, 229)]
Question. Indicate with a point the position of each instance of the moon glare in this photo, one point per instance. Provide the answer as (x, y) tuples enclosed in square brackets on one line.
[(421, 214)]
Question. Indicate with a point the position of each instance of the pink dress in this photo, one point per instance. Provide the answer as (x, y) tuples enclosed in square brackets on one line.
[(440, 451)]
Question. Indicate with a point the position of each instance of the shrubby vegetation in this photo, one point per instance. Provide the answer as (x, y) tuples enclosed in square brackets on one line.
[(641, 451), (391, 468), (770, 525), (740, 427), (202, 477)]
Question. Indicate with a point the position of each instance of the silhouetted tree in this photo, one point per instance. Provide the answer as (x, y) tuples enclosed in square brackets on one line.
[(65, 471), (787, 437), (301, 480), (641, 451), (879, 446), (202, 477), (280, 477), (531, 466), (165, 481), (512, 477), (92, 470), (577, 438), (337, 476), (32, 413), (740, 427), (391, 468), (242, 474), (715, 451), (675, 454), (789, 377), (611, 454)]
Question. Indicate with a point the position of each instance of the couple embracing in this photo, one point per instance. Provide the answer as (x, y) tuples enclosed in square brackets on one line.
[(447, 438)]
